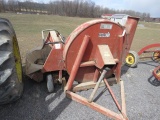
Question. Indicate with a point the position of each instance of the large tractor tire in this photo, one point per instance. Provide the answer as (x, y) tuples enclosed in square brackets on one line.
[(11, 85)]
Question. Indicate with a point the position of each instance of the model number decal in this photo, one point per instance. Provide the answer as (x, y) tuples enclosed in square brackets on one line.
[(104, 34), (105, 26)]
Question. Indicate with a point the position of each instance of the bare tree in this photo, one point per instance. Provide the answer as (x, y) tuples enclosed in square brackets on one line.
[(12, 5), (81, 8), (2, 5)]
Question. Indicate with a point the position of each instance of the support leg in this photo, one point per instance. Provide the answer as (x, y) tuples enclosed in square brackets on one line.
[(77, 63), (97, 85)]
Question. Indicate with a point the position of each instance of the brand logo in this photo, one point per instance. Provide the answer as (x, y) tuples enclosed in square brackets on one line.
[(104, 34)]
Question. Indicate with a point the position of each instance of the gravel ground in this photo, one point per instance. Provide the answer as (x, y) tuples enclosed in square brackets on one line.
[(142, 99)]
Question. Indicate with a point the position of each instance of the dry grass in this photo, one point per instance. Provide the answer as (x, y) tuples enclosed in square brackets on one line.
[(148, 34), (28, 28)]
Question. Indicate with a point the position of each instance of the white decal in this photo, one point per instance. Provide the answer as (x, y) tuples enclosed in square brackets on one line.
[(106, 26), (104, 34)]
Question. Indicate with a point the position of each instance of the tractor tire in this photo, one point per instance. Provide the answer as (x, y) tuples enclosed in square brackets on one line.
[(11, 84), (132, 59)]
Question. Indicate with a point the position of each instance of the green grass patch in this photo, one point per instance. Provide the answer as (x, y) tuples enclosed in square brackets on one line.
[(28, 28)]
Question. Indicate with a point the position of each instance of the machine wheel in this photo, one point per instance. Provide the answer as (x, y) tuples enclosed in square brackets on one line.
[(11, 85), (132, 59), (156, 56), (158, 73), (50, 83)]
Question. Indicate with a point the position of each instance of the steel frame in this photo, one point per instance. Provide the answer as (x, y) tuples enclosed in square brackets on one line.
[(89, 102), (156, 73), (145, 50)]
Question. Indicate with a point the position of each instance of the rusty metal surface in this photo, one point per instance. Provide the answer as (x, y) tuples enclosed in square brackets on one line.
[(156, 73), (95, 106), (123, 98), (77, 62), (91, 98), (156, 45), (130, 28), (102, 42), (101, 32), (93, 30), (103, 56), (85, 86), (47, 58), (34, 62), (88, 49), (147, 49), (54, 61)]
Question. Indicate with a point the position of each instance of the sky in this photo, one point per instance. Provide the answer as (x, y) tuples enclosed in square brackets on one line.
[(148, 6)]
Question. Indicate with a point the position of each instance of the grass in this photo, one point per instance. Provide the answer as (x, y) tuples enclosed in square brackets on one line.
[(146, 35), (28, 29)]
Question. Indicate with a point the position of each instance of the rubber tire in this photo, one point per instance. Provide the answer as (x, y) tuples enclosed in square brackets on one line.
[(136, 59), (11, 88), (50, 83), (153, 57)]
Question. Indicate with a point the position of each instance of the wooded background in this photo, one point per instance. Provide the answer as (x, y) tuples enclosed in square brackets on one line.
[(74, 8)]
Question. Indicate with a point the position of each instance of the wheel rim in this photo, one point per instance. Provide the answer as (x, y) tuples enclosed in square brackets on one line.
[(130, 60), (158, 72), (156, 56), (17, 59)]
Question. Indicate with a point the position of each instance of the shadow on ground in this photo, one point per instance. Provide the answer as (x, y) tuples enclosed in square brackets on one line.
[(36, 103), (152, 80)]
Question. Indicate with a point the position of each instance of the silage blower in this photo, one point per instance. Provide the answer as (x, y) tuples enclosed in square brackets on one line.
[(91, 55)]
